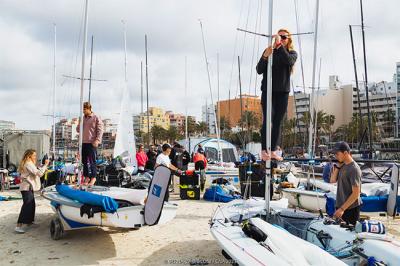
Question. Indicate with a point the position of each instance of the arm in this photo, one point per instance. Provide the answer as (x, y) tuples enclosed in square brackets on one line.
[(99, 130), (78, 127), (286, 57), (334, 174), (262, 65), (32, 169)]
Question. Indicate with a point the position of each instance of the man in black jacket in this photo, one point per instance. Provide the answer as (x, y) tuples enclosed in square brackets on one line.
[(284, 58)]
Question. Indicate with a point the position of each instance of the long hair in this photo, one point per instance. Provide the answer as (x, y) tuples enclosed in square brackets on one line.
[(25, 158), (290, 46)]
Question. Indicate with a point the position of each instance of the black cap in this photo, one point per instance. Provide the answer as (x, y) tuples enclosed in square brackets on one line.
[(341, 146), (166, 146)]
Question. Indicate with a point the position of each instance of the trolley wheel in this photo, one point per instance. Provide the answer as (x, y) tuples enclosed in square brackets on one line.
[(56, 229)]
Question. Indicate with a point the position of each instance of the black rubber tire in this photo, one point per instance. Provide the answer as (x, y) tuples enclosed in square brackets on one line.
[(56, 229), (12, 168)]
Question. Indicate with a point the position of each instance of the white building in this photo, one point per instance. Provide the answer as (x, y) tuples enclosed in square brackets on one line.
[(208, 116), (7, 125)]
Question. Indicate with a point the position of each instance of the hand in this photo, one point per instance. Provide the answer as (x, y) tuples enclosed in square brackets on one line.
[(46, 162), (96, 143), (277, 42), (338, 213), (267, 52)]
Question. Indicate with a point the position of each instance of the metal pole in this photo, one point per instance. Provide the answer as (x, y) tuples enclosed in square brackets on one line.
[(141, 86), (218, 105), (147, 93), (241, 100), (366, 84), (211, 94), (360, 128), (54, 95), (312, 111), (91, 64), (82, 87), (268, 114), (186, 109)]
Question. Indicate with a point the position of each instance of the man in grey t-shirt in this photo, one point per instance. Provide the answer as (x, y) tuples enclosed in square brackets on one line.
[(347, 174)]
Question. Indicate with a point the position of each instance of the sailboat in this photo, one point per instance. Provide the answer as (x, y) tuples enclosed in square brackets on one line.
[(104, 206), (264, 232)]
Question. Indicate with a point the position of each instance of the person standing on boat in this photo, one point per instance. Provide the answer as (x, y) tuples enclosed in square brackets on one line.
[(91, 139), (347, 174), (141, 158), (30, 176), (283, 59)]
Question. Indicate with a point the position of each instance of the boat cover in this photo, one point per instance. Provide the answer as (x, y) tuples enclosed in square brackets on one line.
[(107, 203), (217, 194)]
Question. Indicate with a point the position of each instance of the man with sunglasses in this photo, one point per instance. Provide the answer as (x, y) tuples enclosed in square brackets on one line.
[(284, 58)]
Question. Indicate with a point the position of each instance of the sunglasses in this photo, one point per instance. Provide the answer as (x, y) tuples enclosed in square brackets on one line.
[(283, 37)]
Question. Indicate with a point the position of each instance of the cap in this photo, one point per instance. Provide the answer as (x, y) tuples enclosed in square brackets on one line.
[(166, 146), (341, 146)]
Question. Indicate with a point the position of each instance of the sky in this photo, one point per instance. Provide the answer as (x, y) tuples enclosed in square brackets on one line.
[(173, 33)]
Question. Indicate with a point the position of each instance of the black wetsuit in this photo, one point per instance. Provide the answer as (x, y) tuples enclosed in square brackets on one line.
[(282, 65)]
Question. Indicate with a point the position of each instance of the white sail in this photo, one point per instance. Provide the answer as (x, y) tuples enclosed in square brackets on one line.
[(125, 145)]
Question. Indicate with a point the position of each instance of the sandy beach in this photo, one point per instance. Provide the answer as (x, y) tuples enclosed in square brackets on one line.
[(184, 240)]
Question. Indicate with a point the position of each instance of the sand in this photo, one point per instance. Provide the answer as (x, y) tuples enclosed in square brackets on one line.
[(184, 240)]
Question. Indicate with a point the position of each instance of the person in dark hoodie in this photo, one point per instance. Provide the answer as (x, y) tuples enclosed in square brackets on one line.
[(283, 59)]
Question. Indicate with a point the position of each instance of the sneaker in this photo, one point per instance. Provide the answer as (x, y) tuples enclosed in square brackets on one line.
[(19, 230)]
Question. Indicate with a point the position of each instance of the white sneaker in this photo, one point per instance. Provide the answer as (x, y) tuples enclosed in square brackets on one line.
[(19, 230)]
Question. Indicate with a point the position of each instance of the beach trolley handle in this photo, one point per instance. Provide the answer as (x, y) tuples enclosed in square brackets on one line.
[(157, 190)]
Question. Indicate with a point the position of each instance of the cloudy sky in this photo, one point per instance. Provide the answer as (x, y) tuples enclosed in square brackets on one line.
[(173, 30)]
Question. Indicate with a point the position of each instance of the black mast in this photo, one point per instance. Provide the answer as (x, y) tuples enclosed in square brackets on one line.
[(360, 128), (147, 93), (366, 84)]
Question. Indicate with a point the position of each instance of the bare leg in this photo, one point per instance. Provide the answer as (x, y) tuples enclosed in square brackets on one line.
[(92, 181)]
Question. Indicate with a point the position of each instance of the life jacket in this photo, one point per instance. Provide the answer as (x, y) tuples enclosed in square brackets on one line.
[(199, 157)]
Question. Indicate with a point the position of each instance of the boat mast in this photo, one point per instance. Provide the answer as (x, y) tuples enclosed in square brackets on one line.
[(82, 87), (147, 93), (360, 126), (54, 95), (241, 105), (91, 65), (211, 94), (268, 112), (312, 111), (186, 110), (366, 84)]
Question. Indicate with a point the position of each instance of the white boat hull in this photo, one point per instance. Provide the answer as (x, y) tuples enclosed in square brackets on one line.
[(308, 200)]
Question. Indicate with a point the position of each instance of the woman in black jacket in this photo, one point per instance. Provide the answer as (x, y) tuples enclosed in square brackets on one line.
[(284, 57)]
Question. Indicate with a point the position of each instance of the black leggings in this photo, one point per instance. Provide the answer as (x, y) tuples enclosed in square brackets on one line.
[(89, 160), (279, 108), (27, 213)]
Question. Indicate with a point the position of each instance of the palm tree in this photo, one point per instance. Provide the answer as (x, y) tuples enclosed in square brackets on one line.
[(202, 128), (159, 134), (289, 132), (250, 121), (191, 126), (224, 124), (173, 134)]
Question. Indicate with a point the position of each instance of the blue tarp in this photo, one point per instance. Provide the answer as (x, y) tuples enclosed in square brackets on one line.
[(369, 204), (108, 204), (217, 194)]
